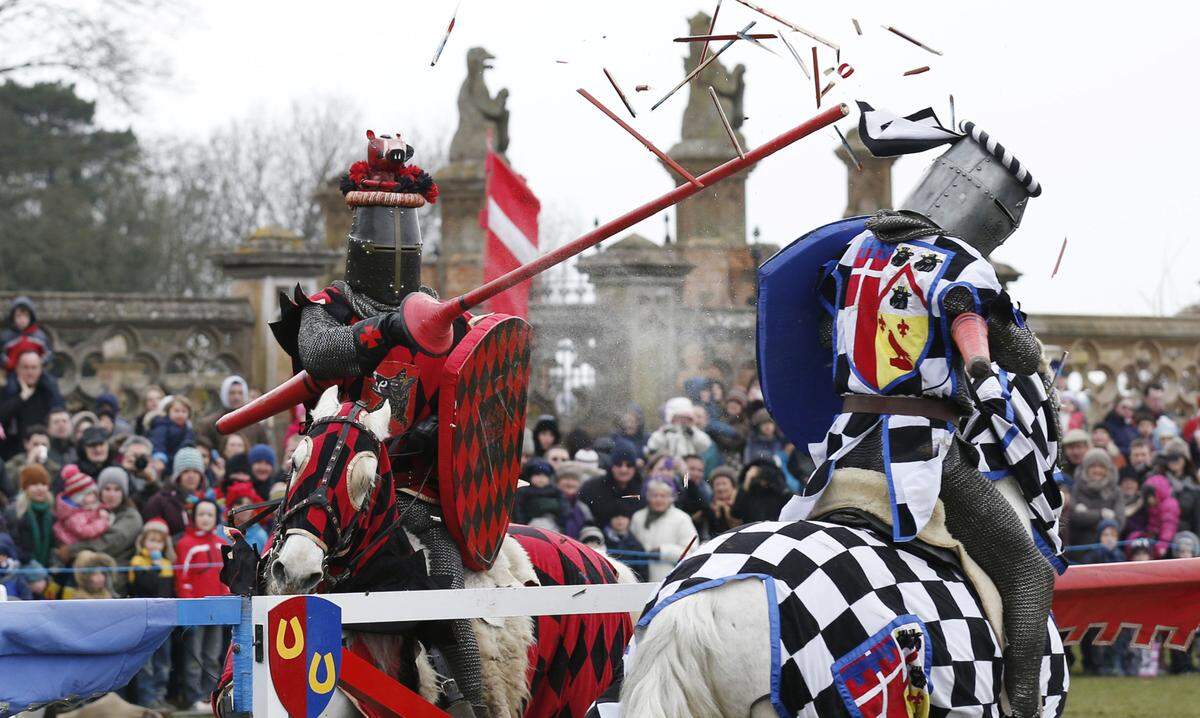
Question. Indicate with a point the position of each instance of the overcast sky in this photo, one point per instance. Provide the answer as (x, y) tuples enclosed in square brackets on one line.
[(1089, 97)]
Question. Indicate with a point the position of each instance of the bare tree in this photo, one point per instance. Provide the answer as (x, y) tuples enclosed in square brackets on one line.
[(107, 44), (253, 172)]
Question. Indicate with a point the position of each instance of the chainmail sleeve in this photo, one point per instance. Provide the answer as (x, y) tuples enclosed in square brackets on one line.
[(327, 347), (1014, 347)]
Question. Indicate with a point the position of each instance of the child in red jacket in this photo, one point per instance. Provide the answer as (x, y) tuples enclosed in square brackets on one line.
[(199, 575)]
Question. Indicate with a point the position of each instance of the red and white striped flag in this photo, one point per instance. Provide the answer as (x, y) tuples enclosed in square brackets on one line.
[(510, 218)]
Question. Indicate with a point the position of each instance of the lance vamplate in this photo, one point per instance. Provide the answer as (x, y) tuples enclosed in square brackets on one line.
[(429, 321)]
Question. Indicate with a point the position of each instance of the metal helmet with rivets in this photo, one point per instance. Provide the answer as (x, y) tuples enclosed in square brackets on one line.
[(976, 191)]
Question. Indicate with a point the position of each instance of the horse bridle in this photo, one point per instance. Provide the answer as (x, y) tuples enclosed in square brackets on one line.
[(319, 496)]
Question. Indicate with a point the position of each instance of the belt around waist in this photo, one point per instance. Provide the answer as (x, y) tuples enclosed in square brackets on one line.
[(940, 409)]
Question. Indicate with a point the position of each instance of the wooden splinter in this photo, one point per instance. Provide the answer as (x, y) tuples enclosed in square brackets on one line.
[(638, 136), (737, 146)]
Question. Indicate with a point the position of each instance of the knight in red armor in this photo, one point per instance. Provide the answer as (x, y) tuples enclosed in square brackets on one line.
[(344, 332)]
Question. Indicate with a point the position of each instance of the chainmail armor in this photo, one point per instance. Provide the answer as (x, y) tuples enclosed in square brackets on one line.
[(1014, 348), (992, 533), (446, 560)]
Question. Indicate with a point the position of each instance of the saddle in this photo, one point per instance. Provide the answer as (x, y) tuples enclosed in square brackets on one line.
[(858, 498)]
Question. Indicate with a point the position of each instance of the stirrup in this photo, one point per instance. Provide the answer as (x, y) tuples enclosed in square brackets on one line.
[(456, 705)]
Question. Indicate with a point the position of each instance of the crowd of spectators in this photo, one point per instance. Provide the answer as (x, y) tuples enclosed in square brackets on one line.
[(101, 502)]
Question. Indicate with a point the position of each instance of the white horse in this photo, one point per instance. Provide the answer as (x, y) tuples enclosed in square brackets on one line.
[(303, 561), (711, 645)]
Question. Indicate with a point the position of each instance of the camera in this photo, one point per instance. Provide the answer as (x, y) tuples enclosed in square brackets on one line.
[(141, 462)]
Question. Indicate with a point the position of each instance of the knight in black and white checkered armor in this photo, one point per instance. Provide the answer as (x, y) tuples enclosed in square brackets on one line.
[(912, 412)]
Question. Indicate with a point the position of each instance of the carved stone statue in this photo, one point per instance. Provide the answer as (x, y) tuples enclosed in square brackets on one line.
[(700, 121), (477, 111)]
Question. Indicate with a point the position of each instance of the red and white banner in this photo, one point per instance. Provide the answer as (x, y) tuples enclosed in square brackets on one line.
[(510, 218)]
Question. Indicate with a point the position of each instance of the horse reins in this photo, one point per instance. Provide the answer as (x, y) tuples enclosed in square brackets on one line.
[(319, 496)]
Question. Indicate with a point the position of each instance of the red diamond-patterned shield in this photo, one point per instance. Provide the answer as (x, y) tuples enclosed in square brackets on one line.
[(481, 426)]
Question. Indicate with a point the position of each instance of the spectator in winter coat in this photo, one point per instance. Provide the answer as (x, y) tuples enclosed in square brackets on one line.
[(28, 398), (93, 578), (1101, 439), (95, 452), (1141, 460), (1177, 467), (662, 528), (34, 530), (1121, 425), (22, 333), (36, 445), (762, 492), (619, 488), (545, 434), (172, 432), (678, 437), (540, 503), (152, 576), (1096, 497), (108, 415), (1107, 551), (717, 517), (242, 494), (262, 468), (235, 392), (1185, 545), (174, 499), (618, 537), (143, 478), (62, 441), (576, 514), (125, 522), (631, 427), (199, 576), (152, 397), (77, 512), (728, 443), (1162, 515), (1076, 444), (13, 583), (1071, 415)]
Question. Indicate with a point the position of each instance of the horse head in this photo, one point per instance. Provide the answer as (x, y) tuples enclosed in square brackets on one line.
[(339, 497)]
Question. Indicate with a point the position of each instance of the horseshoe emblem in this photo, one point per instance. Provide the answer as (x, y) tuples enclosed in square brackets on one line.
[(285, 651), (304, 653), (325, 685)]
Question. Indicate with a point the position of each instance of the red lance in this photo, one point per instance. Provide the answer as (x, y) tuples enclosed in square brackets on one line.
[(429, 321)]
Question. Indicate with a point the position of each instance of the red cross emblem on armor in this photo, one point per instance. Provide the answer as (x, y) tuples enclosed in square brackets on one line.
[(369, 337)]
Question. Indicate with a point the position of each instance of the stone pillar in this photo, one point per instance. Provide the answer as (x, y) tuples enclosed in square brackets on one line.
[(460, 255), (267, 262), (639, 285), (711, 226), (871, 189)]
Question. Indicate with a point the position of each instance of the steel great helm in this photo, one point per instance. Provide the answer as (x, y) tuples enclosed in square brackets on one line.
[(976, 191), (383, 256)]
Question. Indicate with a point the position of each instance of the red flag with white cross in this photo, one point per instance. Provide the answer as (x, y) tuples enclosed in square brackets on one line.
[(510, 218)]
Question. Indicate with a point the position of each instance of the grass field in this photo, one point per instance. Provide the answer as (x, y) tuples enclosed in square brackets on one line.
[(1162, 697)]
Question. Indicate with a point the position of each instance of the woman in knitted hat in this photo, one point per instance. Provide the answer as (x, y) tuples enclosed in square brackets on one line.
[(172, 500), (77, 512), (35, 515), (1096, 497), (125, 523), (262, 468)]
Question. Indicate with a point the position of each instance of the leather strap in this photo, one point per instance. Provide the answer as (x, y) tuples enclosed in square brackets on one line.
[(939, 409)]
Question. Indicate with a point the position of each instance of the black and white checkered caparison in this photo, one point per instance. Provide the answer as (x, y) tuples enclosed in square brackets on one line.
[(1012, 164), (835, 587)]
